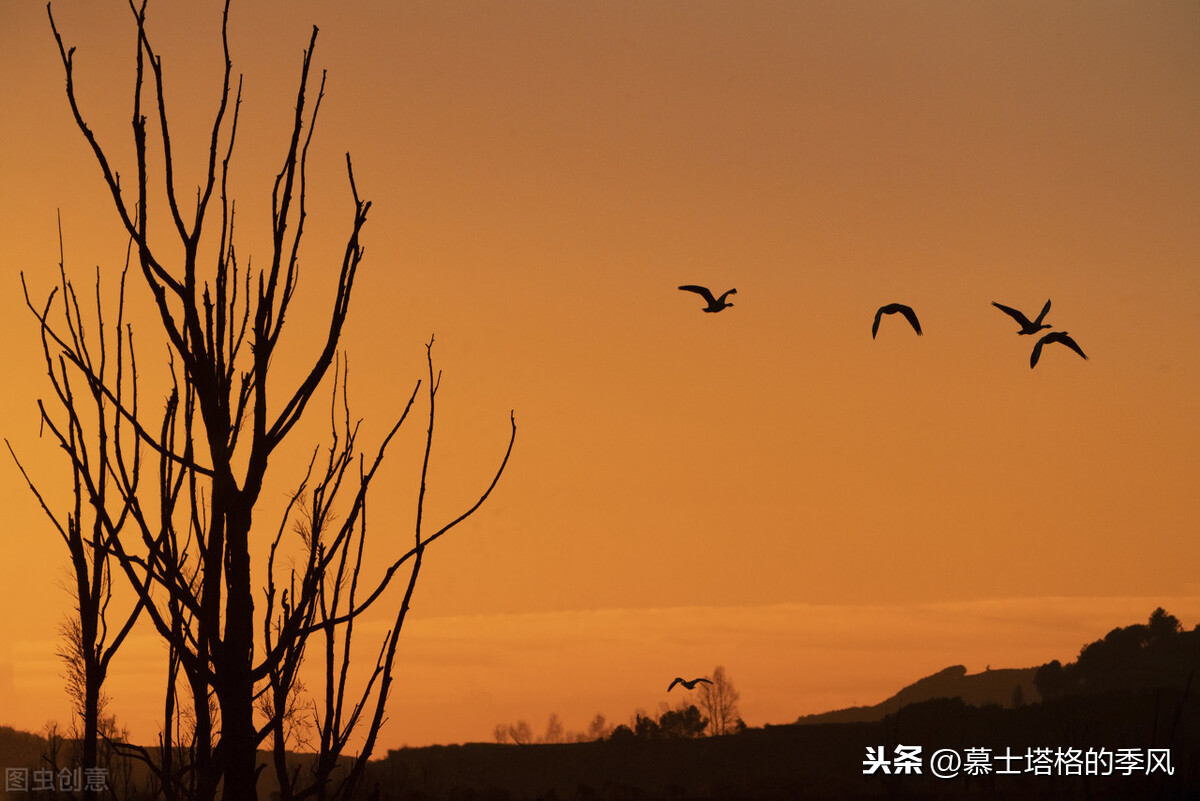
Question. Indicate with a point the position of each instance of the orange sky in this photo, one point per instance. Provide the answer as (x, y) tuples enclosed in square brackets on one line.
[(543, 176)]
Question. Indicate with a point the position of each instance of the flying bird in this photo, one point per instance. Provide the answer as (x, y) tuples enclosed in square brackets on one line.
[(691, 685), (1027, 327), (714, 304), (892, 308), (1054, 336)]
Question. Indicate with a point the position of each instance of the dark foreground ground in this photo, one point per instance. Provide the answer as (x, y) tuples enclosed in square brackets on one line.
[(827, 761), (1136, 738)]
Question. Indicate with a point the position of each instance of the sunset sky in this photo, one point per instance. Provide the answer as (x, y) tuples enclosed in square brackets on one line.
[(828, 516)]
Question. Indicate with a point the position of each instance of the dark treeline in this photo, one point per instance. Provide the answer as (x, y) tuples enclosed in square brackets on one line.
[(1132, 690), (712, 710), (1158, 654)]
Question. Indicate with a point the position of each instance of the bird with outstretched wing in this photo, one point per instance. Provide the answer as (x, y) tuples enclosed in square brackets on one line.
[(1027, 326), (714, 304), (1054, 336), (893, 308)]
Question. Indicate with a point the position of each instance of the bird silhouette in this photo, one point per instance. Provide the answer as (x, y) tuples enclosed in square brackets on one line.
[(892, 308), (1027, 326), (691, 685), (1054, 336), (714, 304)]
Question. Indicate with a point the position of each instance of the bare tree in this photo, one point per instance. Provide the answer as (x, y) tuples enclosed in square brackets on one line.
[(719, 701), (521, 733), (85, 435), (555, 732), (598, 729), (183, 537)]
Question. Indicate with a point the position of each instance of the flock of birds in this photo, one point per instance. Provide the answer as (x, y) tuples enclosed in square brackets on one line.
[(1028, 327)]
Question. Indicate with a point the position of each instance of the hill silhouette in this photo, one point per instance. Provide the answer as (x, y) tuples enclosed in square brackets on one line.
[(1130, 691), (824, 762), (20, 749), (995, 687)]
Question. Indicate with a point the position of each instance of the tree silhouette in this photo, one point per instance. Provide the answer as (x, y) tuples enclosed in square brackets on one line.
[(598, 729), (1144, 656), (719, 701), (176, 494), (682, 723), (87, 649), (555, 732), (646, 727)]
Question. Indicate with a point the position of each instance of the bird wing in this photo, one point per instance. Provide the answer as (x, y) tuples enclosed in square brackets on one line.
[(1042, 316), (911, 316), (1016, 315), (678, 680), (706, 681), (700, 290), (892, 308), (1037, 353), (1070, 343), (727, 294)]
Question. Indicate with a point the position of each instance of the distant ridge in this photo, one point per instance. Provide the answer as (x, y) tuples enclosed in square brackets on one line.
[(20, 749), (978, 689)]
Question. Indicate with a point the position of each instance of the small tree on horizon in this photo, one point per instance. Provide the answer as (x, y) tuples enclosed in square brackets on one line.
[(684, 722), (599, 729), (719, 701)]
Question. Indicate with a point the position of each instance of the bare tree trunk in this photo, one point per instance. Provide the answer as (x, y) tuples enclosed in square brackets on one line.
[(91, 731), (235, 690)]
